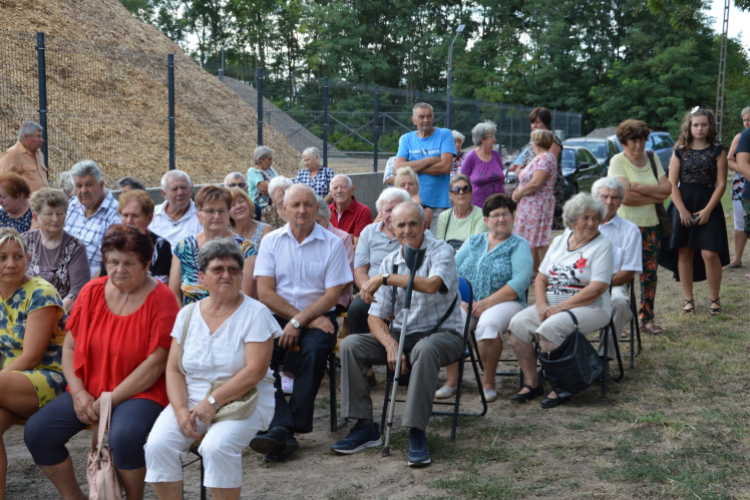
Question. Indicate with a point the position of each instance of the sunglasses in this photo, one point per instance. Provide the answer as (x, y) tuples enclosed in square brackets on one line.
[(237, 184), (220, 270), (460, 189)]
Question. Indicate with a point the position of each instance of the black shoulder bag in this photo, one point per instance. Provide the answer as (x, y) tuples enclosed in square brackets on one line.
[(456, 244), (573, 366), (665, 223)]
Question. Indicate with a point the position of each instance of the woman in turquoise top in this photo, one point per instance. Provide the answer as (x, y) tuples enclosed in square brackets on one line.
[(498, 266)]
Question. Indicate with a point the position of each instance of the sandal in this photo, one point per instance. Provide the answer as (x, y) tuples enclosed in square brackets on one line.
[(732, 265), (651, 329), (691, 310), (714, 311)]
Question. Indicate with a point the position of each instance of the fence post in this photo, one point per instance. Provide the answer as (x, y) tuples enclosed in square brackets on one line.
[(567, 123), (580, 124), (42, 77), (325, 121), (479, 110), (416, 96), (512, 132), (170, 97), (259, 89), (502, 128), (375, 132)]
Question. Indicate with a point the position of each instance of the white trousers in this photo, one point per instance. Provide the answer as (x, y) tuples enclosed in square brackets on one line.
[(527, 326), (494, 321), (167, 447)]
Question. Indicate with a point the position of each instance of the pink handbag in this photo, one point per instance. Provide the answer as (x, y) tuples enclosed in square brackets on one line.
[(100, 472)]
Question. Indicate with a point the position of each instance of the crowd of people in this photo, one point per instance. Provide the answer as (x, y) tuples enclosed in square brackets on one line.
[(180, 308)]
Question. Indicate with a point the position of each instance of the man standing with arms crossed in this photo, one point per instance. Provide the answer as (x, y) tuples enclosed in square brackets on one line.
[(429, 151)]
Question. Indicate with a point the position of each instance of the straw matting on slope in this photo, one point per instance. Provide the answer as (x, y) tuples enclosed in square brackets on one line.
[(107, 96)]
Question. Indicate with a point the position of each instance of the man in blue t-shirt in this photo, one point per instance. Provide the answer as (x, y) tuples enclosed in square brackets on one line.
[(429, 151), (742, 154)]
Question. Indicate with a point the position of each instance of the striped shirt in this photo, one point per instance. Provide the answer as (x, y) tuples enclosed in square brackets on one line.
[(91, 230)]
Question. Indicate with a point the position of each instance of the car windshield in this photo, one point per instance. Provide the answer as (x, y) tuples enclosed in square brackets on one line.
[(599, 149)]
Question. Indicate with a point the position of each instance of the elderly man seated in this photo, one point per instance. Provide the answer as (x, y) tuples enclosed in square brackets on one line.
[(176, 218), (91, 212), (347, 213), (301, 269), (26, 158), (625, 237), (433, 332)]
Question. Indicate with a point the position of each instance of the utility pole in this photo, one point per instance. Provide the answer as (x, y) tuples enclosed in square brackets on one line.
[(450, 69), (722, 71)]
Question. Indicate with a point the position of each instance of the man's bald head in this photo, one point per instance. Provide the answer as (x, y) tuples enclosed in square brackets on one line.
[(300, 205)]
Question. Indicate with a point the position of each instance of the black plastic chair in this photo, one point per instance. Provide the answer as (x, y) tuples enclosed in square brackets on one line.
[(466, 292)]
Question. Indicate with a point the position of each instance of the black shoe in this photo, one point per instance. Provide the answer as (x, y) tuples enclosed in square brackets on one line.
[(419, 452), (528, 396), (277, 442), (553, 402), (361, 437)]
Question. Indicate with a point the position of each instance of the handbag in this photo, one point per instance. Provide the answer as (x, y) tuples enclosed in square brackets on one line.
[(100, 471), (239, 409), (573, 366), (456, 244), (665, 223)]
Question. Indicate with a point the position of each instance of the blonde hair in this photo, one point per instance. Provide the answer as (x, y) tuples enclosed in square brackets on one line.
[(241, 193), (9, 234), (406, 171), (543, 138)]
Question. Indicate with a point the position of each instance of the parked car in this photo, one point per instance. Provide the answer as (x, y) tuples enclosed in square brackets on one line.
[(580, 169), (603, 148), (660, 143)]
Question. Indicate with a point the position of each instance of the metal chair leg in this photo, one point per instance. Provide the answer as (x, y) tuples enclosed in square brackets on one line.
[(332, 384)]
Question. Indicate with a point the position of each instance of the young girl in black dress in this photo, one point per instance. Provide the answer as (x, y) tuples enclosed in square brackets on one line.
[(698, 247)]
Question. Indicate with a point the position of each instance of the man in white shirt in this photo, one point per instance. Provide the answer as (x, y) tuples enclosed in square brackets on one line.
[(626, 237), (301, 270), (176, 218)]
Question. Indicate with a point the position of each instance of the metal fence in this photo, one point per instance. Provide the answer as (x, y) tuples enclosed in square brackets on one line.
[(141, 113), (363, 123)]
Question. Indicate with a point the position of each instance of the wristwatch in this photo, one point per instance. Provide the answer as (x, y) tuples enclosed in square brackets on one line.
[(296, 324), (213, 402), (385, 278)]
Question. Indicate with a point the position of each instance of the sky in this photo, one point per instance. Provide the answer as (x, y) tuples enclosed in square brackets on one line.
[(739, 21)]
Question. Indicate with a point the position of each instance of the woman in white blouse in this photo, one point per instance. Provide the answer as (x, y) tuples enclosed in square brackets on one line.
[(574, 276), (229, 338)]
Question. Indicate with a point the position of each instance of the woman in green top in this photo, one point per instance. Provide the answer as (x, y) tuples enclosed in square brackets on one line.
[(643, 190), (464, 219), (260, 175)]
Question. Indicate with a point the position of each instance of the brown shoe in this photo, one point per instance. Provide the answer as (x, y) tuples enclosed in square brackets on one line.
[(651, 328)]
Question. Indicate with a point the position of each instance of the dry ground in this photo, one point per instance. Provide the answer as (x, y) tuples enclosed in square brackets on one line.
[(676, 427)]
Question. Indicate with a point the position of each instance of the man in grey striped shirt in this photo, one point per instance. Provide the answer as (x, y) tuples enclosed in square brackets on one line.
[(434, 322)]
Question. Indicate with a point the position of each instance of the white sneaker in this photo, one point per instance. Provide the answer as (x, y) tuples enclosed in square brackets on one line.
[(490, 395), (287, 384), (446, 392)]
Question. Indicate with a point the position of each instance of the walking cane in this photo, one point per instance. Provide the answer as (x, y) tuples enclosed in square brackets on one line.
[(413, 258)]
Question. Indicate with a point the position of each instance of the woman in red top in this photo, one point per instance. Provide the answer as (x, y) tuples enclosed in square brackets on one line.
[(118, 340)]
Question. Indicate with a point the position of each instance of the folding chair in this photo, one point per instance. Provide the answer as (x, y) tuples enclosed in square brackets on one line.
[(465, 290), (605, 359)]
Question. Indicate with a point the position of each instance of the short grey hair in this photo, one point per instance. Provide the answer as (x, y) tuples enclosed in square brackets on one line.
[(85, 168), (132, 182), (262, 152), (28, 129), (411, 204), (174, 174), (224, 248), (303, 187), (235, 175), (390, 195), (311, 152), (348, 179), (610, 183), (482, 131), (65, 182), (460, 177), (421, 105), (279, 182), (579, 205), (323, 210), (458, 135), (745, 111)]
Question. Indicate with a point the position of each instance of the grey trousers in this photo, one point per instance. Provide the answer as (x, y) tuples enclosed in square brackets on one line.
[(359, 352)]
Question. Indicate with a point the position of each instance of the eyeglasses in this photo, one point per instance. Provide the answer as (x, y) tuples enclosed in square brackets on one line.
[(504, 215), (220, 270), (237, 184), (460, 189), (210, 212)]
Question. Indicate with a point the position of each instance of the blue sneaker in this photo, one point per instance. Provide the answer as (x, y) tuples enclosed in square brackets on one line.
[(419, 452), (361, 437)]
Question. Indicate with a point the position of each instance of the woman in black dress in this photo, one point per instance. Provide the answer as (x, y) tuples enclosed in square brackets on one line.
[(698, 247)]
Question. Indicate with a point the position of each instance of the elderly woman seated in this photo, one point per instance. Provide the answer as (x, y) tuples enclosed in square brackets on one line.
[(31, 337), (225, 337), (54, 254), (464, 219), (498, 266), (242, 218), (408, 180), (118, 341), (574, 276), (274, 214), (259, 176)]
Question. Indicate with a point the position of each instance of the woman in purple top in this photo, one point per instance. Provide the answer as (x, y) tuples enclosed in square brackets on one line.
[(483, 165)]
